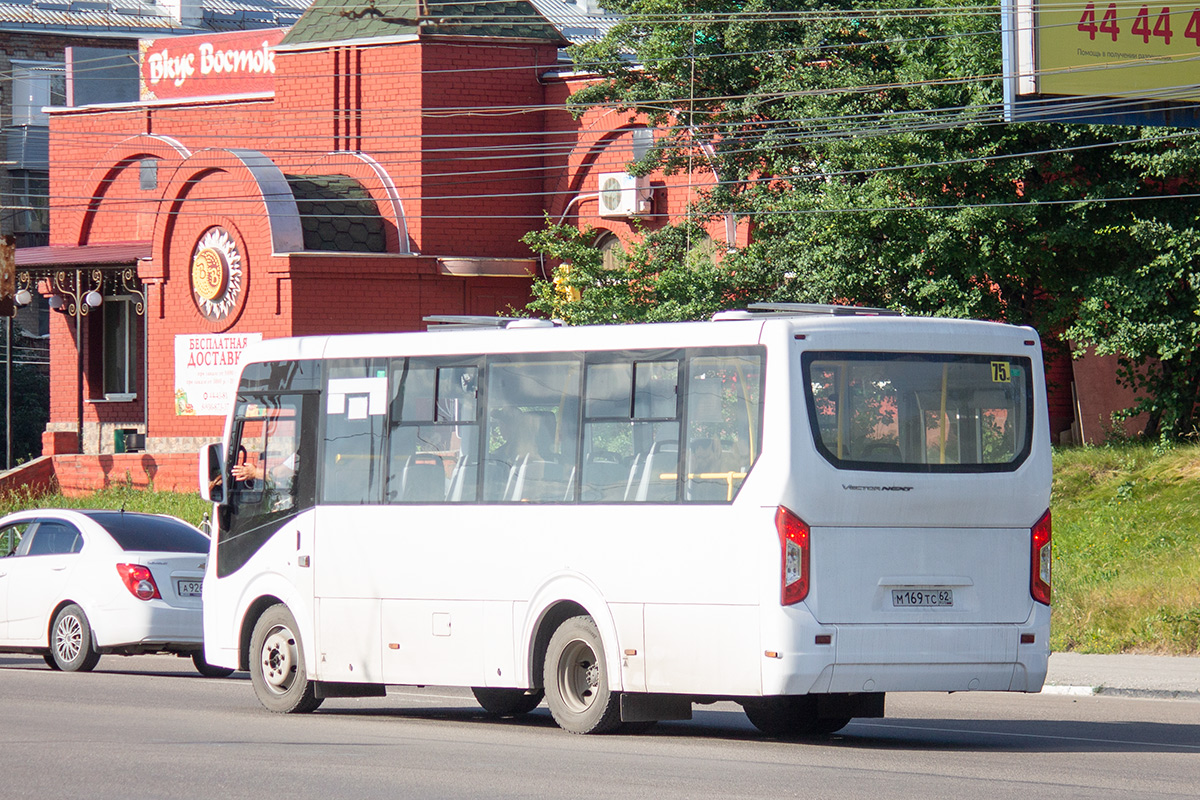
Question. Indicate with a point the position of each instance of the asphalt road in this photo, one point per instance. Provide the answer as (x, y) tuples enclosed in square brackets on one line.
[(150, 727)]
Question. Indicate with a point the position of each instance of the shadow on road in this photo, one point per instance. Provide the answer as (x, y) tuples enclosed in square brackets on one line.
[(901, 734), (725, 721), (158, 665)]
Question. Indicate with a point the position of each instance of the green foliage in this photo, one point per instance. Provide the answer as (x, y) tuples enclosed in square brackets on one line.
[(664, 277), (186, 506), (1147, 311), (1126, 549), (866, 148)]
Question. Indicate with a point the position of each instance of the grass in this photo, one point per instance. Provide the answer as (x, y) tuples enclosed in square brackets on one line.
[(1127, 550), (1126, 544), (185, 506)]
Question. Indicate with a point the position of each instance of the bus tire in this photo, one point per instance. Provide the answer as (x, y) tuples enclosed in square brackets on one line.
[(790, 716), (507, 702), (576, 679), (277, 664), (828, 725)]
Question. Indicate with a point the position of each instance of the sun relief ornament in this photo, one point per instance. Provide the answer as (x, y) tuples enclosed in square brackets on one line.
[(216, 274)]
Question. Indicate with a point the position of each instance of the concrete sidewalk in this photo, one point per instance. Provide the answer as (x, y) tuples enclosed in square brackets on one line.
[(1166, 677)]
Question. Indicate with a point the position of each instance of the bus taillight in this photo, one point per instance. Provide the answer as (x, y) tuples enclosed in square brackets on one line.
[(1039, 567), (793, 540)]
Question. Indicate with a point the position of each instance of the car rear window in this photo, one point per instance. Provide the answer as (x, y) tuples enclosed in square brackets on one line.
[(144, 532)]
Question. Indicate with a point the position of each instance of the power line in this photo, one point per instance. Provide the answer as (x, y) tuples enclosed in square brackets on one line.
[(801, 132)]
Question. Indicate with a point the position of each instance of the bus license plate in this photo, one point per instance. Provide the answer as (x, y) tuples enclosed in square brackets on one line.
[(922, 598), (189, 588)]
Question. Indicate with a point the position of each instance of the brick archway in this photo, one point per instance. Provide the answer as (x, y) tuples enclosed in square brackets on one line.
[(379, 185), (252, 185), (127, 153)]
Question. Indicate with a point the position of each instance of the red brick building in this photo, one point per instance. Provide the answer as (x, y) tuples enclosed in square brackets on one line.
[(364, 169), (354, 173)]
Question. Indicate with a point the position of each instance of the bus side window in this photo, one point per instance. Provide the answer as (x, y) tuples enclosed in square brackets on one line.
[(631, 432), (274, 440), (432, 452), (355, 411), (723, 405), (532, 430), (656, 430)]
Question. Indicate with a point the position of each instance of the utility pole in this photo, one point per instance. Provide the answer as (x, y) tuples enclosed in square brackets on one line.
[(8, 309)]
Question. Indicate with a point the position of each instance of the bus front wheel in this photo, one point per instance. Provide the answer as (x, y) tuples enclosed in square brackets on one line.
[(277, 664), (576, 680)]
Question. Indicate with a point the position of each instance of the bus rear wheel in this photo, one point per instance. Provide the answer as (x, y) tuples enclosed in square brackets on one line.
[(277, 664), (790, 716), (507, 702), (576, 679)]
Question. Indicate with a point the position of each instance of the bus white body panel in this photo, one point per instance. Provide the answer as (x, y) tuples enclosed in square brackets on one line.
[(469, 622), (918, 555), (276, 573)]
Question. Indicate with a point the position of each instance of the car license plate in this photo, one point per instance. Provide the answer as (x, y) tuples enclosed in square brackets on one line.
[(189, 588), (922, 598)]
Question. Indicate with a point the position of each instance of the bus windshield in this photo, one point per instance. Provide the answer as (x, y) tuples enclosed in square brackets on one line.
[(917, 412)]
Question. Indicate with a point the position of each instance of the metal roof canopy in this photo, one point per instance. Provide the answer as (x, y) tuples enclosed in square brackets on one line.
[(87, 255)]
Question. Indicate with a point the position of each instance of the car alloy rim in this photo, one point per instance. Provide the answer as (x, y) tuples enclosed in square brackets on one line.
[(279, 659), (68, 638)]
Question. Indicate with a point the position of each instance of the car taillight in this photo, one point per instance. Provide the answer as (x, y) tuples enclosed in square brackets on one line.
[(1039, 560), (793, 540), (139, 581)]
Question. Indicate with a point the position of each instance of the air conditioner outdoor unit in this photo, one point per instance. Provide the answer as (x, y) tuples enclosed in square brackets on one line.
[(624, 195)]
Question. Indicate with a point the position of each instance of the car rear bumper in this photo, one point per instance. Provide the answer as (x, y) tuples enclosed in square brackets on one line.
[(150, 623)]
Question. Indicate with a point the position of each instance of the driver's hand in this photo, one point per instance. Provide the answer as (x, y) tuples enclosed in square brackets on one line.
[(242, 472)]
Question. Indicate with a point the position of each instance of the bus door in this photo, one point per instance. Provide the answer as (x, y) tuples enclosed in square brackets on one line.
[(357, 550), (272, 474), (401, 445)]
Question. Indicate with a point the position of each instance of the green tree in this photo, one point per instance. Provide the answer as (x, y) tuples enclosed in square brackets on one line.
[(867, 148), (1147, 311), (664, 277)]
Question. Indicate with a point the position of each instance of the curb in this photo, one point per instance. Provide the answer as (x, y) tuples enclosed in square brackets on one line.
[(1077, 691), (1110, 691)]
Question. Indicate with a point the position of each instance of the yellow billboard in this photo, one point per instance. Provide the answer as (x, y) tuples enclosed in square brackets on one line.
[(1119, 49)]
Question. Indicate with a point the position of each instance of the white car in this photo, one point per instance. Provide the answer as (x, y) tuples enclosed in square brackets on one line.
[(77, 584)]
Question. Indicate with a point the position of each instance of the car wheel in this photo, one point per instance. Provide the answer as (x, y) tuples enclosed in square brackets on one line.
[(576, 680), (71, 644), (208, 670), (507, 702), (277, 664), (50, 662)]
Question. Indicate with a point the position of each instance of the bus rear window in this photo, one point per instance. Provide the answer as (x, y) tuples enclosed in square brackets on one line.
[(917, 412)]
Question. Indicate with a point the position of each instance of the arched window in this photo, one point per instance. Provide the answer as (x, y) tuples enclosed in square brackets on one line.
[(609, 246)]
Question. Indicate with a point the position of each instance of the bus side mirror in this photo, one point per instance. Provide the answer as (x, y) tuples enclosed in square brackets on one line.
[(212, 481)]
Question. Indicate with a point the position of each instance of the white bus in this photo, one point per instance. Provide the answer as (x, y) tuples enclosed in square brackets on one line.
[(796, 508)]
